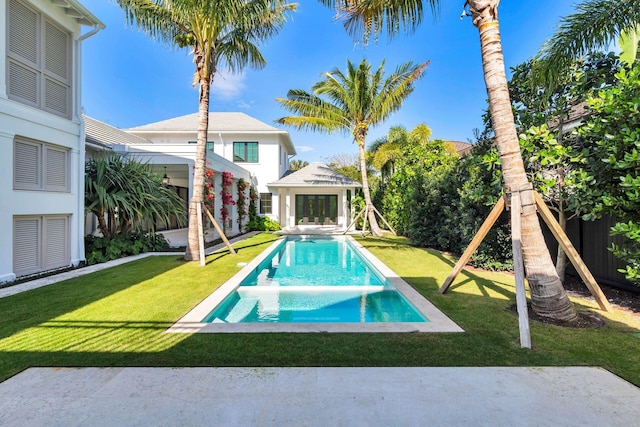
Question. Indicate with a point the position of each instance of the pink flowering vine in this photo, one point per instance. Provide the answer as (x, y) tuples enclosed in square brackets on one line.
[(227, 198), (209, 191), (242, 201)]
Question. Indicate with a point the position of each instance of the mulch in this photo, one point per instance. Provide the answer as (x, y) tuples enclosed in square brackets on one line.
[(621, 299)]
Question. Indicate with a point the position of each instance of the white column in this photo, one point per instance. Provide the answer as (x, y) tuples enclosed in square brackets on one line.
[(287, 209), (345, 211)]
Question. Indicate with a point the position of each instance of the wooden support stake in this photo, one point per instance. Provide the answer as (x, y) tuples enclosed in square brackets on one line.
[(364, 224), (518, 266), (572, 253), (384, 220), (475, 242), (354, 221), (200, 234), (219, 231)]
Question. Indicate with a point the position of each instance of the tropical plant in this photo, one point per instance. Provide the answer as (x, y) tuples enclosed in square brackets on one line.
[(595, 25), (385, 151), (612, 185), (126, 195), (102, 249), (552, 153), (296, 165), (369, 18), (352, 102), (218, 32)]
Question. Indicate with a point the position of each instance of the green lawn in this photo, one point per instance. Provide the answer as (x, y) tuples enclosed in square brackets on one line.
[(117, 317)]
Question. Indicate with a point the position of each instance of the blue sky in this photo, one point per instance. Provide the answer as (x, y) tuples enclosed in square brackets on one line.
[(131, 80)]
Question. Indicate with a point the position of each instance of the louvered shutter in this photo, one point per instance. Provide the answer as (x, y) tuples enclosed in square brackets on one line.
[(23, 79), (56, 242), (23, 32), (27, 165), (56, 65), (56, 169), (26, 246)]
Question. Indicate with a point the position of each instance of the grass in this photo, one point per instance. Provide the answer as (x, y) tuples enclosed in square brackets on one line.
[(117, 317)]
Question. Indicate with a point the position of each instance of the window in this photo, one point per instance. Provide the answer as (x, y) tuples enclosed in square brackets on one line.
[(265, 203), (209, 146), (40, 243), (40, 166), (246, 152), (38, 61)]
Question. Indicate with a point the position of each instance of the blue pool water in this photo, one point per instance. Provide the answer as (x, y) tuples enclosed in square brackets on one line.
[(315, 279)]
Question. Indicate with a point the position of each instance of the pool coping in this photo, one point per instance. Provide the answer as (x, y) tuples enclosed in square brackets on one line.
[(438, 321)]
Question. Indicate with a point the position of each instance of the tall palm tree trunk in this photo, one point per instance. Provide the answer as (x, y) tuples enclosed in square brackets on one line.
[(548, 297), (373, 222), (192, 252)]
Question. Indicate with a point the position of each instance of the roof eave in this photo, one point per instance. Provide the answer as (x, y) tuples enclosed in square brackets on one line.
[(83, 15)]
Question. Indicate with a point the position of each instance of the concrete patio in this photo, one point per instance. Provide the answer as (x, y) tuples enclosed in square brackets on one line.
[(489, 396)]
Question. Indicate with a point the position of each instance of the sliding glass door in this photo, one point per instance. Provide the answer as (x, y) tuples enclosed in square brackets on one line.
[(318, 209)]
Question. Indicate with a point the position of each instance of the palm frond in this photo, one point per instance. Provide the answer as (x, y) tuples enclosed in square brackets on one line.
[(366, 19), (593, 27)]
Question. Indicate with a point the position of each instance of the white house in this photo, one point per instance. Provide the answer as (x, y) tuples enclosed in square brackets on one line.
[(175, 159), (245, 142), (41, 135), (249, 149), (314, 196)]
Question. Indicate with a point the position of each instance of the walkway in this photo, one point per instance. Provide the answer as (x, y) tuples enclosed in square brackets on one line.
[(577, 396)]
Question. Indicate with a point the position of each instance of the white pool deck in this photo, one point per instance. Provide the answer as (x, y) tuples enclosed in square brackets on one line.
[(489, 396), (313, 396)]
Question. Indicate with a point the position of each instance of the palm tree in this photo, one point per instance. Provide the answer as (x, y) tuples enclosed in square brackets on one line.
[(596, 24), (219, 32), (548, 297), (386, 150), (352, 102)]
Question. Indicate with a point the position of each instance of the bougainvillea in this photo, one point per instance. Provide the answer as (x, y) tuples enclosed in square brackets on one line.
[(227, 198), (242, 201), (209, 192)]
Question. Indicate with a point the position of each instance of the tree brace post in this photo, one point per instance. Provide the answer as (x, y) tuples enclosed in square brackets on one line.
[(521, 202)]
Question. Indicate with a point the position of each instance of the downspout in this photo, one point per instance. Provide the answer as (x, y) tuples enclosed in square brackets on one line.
[(224, 150), (82, 151)]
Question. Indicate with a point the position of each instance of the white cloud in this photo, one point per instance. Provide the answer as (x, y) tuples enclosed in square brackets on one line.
[(227, 86), (304, 148), (245, 105)]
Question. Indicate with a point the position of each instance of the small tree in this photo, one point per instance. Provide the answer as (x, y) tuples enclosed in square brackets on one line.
[(126, 195), (612, 136), (352, 102)]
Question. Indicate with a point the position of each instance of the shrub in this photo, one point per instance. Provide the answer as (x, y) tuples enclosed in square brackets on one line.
[(103, 249), (263, 223)]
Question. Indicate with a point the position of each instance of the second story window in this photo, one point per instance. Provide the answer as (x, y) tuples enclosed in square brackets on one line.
[(209, 146), (38, 60), (245, 152)]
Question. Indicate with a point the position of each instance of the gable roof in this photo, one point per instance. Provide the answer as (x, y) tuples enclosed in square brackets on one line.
[(218, 122), (317, 175), (104, 135)]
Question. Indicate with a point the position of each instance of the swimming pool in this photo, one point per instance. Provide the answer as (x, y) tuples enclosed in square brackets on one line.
[(315, 284)]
